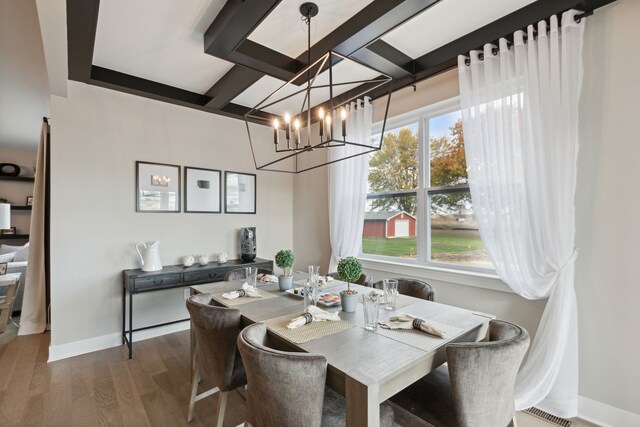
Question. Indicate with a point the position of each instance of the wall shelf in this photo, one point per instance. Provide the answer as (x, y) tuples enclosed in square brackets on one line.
[(21, 208), (17, 178), (14, 237)]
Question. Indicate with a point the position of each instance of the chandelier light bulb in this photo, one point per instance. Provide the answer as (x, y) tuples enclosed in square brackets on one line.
[(321, 113), (296, 123), (343, 114), (276, 133), (287, 118)]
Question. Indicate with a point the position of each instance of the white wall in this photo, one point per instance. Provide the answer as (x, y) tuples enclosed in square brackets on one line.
[(607, 206), (607, 202), (97, 135)]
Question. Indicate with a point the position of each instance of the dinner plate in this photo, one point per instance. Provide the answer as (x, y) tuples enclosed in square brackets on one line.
[(324, 298)]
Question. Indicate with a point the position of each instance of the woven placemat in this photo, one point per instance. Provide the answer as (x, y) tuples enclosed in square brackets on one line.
[(308, 332), (242, 300), (419, 339)]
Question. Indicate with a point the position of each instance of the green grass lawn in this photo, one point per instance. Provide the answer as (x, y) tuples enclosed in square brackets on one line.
[(442, 241)]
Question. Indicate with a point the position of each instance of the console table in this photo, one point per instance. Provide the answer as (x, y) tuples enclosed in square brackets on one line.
[(136, 281)]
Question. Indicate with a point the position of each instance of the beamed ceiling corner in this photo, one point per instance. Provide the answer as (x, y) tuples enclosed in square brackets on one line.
[(359, 38)]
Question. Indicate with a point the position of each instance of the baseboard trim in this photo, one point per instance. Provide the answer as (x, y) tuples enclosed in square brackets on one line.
[(605, 415), (76, 348)]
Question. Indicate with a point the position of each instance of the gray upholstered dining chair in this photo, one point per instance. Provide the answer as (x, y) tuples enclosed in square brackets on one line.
[(288, 389), (217, 357), (477, 389), (241, 273), (413, 288), (364, 280)]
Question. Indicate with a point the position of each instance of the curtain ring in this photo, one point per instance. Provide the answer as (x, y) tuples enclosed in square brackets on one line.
[(494, 51), (467, 62), (481, 57)]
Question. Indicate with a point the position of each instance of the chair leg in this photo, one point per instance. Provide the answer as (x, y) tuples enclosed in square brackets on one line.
[(194, 391), (222, 406)]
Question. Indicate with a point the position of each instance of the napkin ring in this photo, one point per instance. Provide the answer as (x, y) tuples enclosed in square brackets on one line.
[(241, 292), (417, 323), (308, 318)]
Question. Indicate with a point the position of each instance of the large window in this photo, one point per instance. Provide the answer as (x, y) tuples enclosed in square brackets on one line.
[(418, 204)]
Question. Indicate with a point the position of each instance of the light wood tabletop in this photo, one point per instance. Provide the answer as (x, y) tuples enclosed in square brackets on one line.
[(365, 367)]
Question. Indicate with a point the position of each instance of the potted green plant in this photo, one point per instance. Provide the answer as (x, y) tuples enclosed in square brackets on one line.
[(349, 270), (284, 260)]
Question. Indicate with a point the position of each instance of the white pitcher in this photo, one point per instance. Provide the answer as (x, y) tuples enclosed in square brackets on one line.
[(151, 259)]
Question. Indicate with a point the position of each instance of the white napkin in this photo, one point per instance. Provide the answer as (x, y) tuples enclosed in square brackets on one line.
[(407, 321), (313, 314), (246, 291), (267, 278)]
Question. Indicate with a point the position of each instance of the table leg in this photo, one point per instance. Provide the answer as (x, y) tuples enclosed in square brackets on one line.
[(124, 313), (130, 325), (362, 401)]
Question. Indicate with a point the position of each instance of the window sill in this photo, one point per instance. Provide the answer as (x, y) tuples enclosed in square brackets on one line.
[(448, 275)]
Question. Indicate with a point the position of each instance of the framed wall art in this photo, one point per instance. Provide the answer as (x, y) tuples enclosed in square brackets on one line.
[(157, 187), (240, 192), (202, 190)]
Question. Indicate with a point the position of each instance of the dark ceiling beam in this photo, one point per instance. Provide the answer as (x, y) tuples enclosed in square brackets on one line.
[(385, 58), (109, 78), (503, 27), (374, 27), (233, 24), (225, 89), (82, 18), (446, 57), (377, 18)]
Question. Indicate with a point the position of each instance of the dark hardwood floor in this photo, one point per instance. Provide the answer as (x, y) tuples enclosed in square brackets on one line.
[(102, 388), (105, 388)]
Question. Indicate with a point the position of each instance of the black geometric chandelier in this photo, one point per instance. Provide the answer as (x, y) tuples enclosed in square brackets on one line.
[(309, 115)]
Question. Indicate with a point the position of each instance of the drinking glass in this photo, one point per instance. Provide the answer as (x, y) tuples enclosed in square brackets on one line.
[(251, 274), (311, 295), (370, 306), (390, 287), (314, 275)]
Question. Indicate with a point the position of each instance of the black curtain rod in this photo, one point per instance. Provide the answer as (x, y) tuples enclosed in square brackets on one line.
[(45, 119)]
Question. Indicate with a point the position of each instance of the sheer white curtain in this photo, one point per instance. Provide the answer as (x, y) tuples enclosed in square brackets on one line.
[(348, 185), (520, 121)]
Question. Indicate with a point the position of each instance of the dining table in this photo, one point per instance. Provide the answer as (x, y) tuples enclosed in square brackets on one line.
[(366, 367)]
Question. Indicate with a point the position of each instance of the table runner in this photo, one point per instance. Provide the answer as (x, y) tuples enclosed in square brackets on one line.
[(307, 332), (242, 300), (419, 339)]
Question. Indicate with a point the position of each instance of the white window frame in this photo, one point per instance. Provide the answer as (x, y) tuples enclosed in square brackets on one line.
[(422, 265)]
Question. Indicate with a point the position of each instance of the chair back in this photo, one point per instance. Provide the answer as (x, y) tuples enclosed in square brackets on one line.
[(483, 375), (413, 288), (284, 388), (216, 329), (241, 273), (363, 280)]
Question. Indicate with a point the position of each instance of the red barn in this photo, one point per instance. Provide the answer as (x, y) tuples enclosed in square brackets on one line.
[(389, 224)]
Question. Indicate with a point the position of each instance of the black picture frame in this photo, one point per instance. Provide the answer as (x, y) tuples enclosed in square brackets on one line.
[(161, 196), (195, 179), (235, 201)]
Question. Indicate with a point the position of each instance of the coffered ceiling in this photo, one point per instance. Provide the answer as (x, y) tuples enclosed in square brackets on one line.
[(226, 56)]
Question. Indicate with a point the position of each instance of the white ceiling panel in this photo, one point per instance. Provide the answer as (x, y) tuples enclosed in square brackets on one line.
[(343, 72), (446, 21), (284, 31), (159, 40)]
